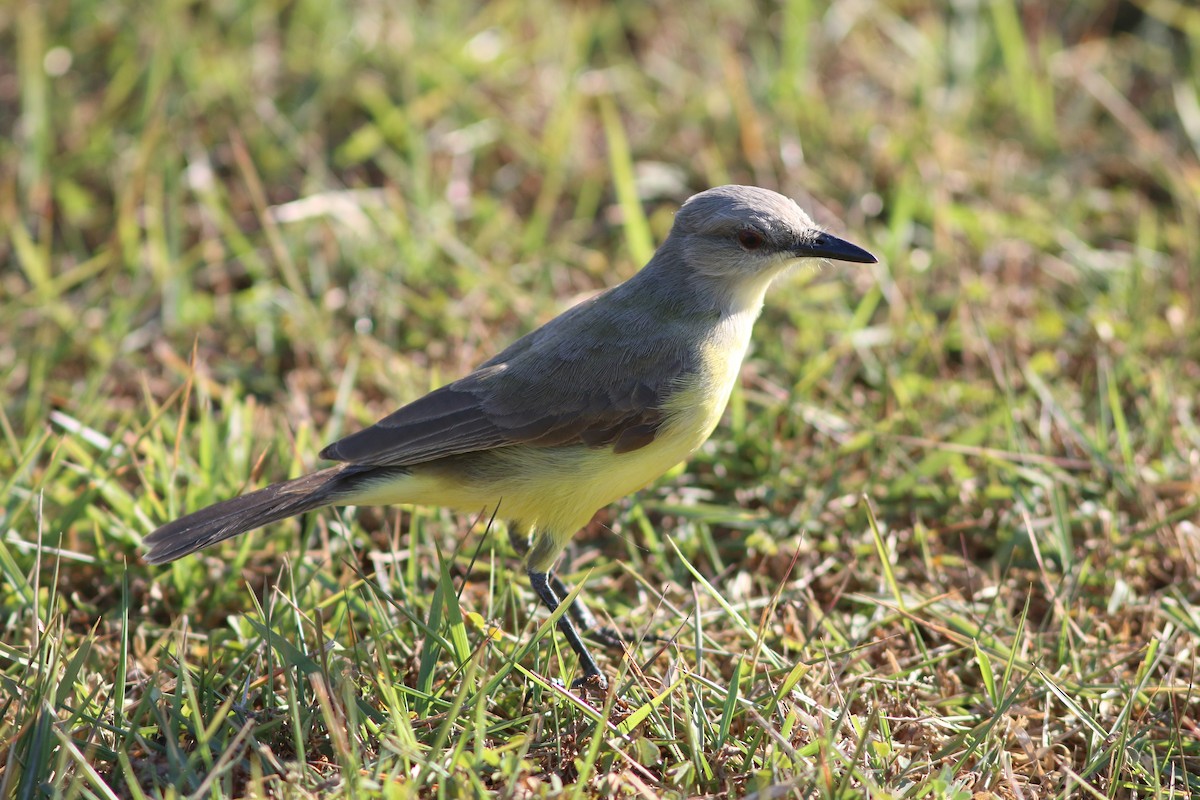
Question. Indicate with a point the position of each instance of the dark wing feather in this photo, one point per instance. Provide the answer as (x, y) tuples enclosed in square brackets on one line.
[(442, 423), (542, 402)]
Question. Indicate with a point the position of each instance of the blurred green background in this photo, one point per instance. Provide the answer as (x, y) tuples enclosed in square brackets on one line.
[(959, 487)]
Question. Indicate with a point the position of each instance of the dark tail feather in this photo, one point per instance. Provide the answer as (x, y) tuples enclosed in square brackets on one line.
[(229, 518)]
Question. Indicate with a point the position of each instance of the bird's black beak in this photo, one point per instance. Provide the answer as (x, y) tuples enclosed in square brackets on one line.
[(824, 245)]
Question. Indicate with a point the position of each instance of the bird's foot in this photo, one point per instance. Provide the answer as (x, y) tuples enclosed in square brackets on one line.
[(610, 637), (617, 639), (586, 687), (591, 686)]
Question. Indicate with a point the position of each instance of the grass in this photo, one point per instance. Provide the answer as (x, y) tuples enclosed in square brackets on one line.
[(945, 542)]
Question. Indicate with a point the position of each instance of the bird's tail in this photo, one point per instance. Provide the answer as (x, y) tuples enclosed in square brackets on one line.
[(229, 518)]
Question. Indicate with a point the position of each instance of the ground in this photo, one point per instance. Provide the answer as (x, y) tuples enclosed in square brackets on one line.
[(944, 543)]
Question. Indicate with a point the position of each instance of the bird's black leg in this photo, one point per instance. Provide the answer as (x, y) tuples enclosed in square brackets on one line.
[(579, 612), (540, 581), (584, 618)]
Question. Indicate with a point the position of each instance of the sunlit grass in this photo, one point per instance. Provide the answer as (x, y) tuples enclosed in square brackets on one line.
[(944, 543)]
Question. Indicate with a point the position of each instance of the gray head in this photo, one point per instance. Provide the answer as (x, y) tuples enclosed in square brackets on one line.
[(745, 236)]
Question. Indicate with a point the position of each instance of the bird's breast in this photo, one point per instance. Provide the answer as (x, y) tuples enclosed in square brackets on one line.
[(695, 408)]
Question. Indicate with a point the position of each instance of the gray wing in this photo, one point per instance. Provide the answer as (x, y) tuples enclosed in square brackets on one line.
[(557, 386)]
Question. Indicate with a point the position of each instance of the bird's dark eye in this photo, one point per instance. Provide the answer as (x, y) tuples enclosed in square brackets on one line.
[(750, 239)]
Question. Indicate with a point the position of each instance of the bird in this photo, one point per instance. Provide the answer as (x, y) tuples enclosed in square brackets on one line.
[(590, 407)]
